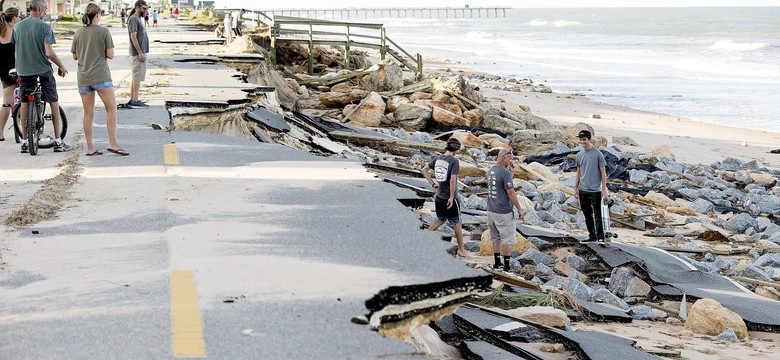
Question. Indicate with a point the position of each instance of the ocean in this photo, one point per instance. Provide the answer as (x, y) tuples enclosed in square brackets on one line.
[(718, 65)]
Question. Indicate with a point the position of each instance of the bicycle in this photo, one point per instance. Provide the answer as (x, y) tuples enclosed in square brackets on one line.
[(37, 114)]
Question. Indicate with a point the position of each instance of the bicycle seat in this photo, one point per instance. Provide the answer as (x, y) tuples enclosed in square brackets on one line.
[(12, 72)]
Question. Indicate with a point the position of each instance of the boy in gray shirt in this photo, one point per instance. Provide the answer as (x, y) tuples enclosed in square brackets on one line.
[(446, 168), (501, 218), (590, 185)]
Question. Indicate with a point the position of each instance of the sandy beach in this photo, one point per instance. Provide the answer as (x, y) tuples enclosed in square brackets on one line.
[(691, 141)]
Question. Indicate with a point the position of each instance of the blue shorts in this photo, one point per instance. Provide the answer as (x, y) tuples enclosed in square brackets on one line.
[(88, 89)]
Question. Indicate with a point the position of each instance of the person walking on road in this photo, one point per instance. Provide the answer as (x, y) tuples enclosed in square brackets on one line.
[(590, 185), (8, 19), (154, 19), (33, 39), (139, 47), (500, 216), (445, 169), (92, 47)]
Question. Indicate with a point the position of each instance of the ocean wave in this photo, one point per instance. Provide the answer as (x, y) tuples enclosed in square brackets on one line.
[(729, 45), (564, 23), (535, 22), (478, 35)]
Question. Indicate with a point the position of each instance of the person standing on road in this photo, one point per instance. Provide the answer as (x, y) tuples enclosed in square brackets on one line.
[(590, 185), (238, 22), (445, 169), (123, 15), (154, 19), (8, 19), (33, 39), (92, 47), (500, 216), (228, 31), (139, 47)]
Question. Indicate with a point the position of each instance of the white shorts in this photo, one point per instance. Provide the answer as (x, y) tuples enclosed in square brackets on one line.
[(502, 228)]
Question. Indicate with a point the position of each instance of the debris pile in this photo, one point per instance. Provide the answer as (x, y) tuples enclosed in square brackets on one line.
[(720, 219)]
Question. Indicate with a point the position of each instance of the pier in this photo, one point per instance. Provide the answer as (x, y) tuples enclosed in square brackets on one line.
[(374, 13)]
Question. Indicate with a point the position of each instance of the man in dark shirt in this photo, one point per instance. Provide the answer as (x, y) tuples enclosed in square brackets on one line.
[(446, 168)]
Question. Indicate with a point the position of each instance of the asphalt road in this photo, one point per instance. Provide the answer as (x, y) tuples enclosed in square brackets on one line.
[(274, 250)]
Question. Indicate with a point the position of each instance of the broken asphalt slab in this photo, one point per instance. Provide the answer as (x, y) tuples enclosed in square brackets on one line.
[(663, 268)]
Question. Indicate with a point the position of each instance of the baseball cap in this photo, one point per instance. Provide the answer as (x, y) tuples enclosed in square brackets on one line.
[(584, 134)]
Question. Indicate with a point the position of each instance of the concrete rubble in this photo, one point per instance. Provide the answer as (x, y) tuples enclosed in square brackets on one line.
[(713, 217)]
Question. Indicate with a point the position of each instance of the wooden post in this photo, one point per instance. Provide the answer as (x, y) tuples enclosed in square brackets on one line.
[(311, 49), (419, 67), (346, 50), (384, 44)]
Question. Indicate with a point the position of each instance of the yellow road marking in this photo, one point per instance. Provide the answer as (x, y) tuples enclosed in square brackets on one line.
[(170, 154), (187, 327)]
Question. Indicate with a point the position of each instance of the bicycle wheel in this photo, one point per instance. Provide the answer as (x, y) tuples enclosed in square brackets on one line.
[(32, 128), (17, 126)]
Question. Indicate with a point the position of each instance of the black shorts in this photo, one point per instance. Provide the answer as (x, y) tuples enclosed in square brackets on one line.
[(450, 215), (48, 86)]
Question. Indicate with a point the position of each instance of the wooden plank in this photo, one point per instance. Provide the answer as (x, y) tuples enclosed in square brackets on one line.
[(331, 80), (345, 136), (512, 280), (756, 282), (566, 270)]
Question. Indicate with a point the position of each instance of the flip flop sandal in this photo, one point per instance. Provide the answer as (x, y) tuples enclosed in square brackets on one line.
[(96, 152), (118, 152)]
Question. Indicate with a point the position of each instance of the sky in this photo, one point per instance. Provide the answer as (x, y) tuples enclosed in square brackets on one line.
[(511, 3)]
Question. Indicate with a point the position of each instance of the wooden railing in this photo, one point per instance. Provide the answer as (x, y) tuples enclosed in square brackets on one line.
[(347, 34)]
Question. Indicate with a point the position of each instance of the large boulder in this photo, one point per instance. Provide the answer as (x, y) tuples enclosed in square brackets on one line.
[(493, 120), (468, 139), (475, 117), (709, 317), (419, 95), (486, 246), (371, 112), (395, 101), (494, 141), (459, 85), (536, 141), (469, 169), (448, 118), (388, 77), (543, 315), (341, 99), (412, 117)]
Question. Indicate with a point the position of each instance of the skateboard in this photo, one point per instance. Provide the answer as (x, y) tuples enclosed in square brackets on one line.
[(605, 222)]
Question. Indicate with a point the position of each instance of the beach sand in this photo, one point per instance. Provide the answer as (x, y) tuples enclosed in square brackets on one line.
[(691, 141)]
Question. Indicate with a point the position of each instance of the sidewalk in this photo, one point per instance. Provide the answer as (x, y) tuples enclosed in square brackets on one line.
[(279, 248)]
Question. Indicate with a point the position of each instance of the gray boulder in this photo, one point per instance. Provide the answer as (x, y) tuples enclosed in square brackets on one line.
[(768, 260), (542, 269), (728, 335), (636, 288), (476, 202), (739, 223), (619, 279), (603, 295), (710, 194), (702, 206), (537, 257), (754, 272), (690, 194), (637, 176), (577, 289), (641, 312), (730, 164), (539, 243), (577, 262)]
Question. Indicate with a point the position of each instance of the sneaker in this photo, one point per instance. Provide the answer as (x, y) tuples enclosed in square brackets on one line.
[(25, 148), (137, 104), (497, 266), (61, 147), (600, 242), (507, 270)]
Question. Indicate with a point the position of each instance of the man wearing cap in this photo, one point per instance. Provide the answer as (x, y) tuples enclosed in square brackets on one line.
[(445, 169), (590, 185), (501, 218)]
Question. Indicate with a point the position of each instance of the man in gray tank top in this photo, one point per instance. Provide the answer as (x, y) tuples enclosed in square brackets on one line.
[(590, 185)]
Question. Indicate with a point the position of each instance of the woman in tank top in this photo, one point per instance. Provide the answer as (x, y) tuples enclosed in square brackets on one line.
[(7, 21)]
